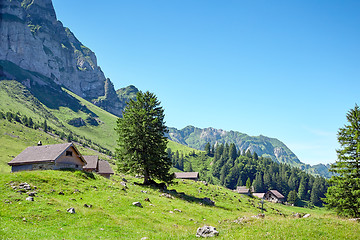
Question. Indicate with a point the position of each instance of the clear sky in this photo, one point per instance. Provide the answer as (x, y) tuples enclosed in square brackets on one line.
[(284, 69)]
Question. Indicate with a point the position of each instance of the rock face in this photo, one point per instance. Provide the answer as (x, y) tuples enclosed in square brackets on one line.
[(32, 38)]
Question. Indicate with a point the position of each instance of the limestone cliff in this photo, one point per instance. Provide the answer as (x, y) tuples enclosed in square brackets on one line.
[(32, 38)]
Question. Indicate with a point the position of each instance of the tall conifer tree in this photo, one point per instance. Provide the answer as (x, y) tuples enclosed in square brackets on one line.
[(142, 144), (344, 193)]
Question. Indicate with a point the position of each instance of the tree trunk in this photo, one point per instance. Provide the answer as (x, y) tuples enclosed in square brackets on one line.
[(146, 177)]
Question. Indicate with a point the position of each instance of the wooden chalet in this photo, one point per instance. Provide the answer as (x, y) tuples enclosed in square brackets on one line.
[(187, 175), (48, 157), (259, 195), (58, 156), (274, 196), (244, 190)]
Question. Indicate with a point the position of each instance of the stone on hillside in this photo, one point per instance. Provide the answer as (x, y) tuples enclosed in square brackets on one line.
[(87, 205), (137, 204), (166, 195), (124, 179), (208, 201), (206, 231), (32, 194), (143, 191), (177, 210), (30, 199), (124, 184), (306, 215), (71, 210), (354, 219), (297, 215), (147, 199), (61, 193)]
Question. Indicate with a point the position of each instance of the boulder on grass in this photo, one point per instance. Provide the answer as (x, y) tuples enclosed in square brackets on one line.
[(206, 231)]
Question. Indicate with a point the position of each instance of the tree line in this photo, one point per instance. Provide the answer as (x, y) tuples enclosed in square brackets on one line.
[(69, 137)]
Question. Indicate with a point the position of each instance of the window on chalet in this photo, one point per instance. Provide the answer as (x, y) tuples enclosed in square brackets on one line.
[(68, 153)]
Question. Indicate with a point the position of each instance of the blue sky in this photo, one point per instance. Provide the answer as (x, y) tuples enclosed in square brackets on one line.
[(283, 69)]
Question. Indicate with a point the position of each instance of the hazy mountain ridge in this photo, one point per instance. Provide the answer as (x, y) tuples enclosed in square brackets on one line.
[(264, 146), (32, 38)]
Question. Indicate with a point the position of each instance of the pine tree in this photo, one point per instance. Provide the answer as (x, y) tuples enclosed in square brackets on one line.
[(248, 183), (344, 193), (141, 143), (258, 183), (207, 149), (302, 188), (292, 197)]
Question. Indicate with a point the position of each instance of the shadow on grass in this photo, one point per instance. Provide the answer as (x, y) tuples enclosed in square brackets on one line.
[(172, 193)]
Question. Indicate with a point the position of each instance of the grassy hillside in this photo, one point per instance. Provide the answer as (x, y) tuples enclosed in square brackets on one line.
[(112, 215)]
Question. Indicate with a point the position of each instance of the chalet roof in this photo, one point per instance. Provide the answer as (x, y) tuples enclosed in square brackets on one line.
[(46, 153), (277, 194), (243, 189), (186, 175), (104, 167), (92, 162), (259, 195)]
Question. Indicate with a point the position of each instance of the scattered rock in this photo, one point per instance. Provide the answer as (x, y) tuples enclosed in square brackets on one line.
[(124, 179), (88, 205), (71, 210), (61, 193), (147, 199), (32, 194), (76, 191), (143, 191), (166, 195), (177, 210), (144, 238), (354, 219), (208, 201), (260, 215), (297, 215), (206, 231), (124, 184), (30, 199), (171, 212), (137, 204), (306, 215)]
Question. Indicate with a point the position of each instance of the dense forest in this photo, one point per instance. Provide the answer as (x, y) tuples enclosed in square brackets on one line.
[(225, 165)]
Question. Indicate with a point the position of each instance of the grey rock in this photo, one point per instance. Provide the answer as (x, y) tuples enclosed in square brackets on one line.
[(208, 201), (71, 210), (88, 205), (306, 215), (137, 204), (32, 194), (206, 231), (30, 199)]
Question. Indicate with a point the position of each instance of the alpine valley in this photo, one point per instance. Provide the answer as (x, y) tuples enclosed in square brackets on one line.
[(48, 74)]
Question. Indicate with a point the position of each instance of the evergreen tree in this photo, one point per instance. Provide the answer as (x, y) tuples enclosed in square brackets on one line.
[(207, 149), (344, 193), (316, 192), (45, 126), (248, 183), (232, 152), (302, 188), (292, 197), (142, 144), (258, 183)]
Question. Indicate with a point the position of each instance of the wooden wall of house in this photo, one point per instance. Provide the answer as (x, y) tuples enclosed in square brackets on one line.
[(73, 161)]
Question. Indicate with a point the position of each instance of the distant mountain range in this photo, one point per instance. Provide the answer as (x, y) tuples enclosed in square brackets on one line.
[(264, 146)]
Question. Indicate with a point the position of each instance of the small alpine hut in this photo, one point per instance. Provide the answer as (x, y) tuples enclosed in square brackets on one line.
[(274, 196), (95, 165), (48, 157), (187, 175), (244, 190)]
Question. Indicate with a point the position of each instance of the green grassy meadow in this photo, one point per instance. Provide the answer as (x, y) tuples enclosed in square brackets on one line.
[(112, 215)]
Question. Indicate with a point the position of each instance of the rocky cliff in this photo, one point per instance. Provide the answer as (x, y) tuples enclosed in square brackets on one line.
[(32, 38)]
